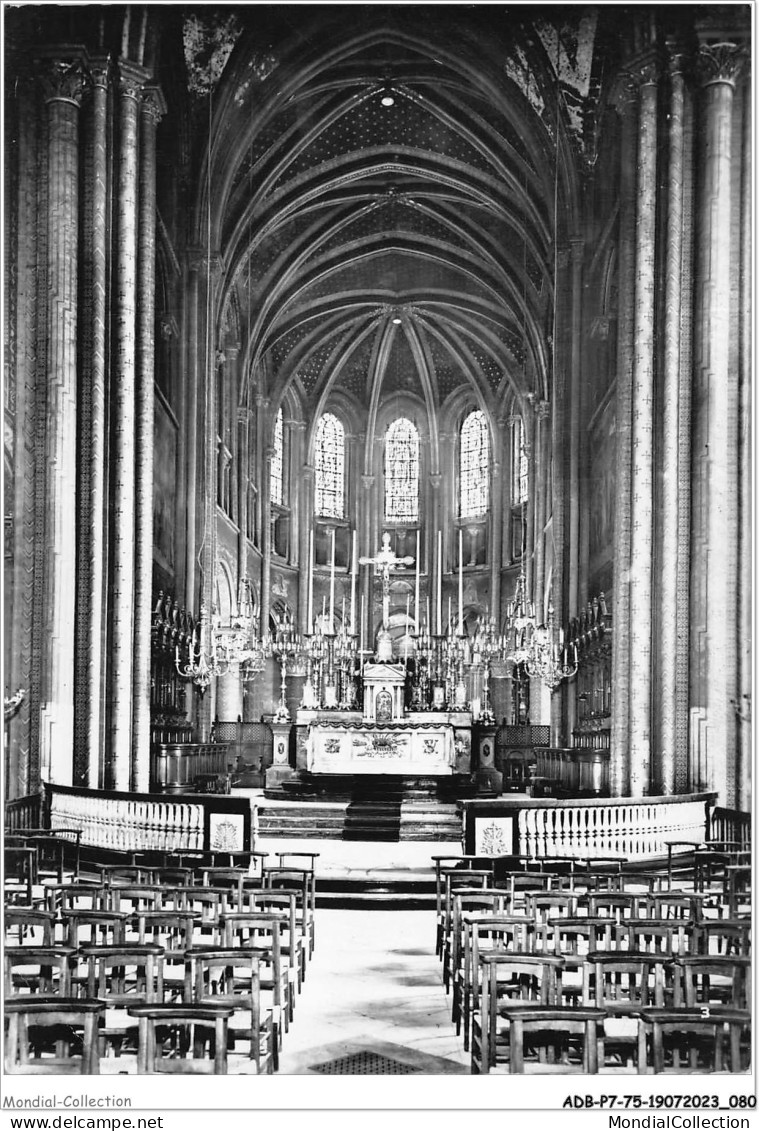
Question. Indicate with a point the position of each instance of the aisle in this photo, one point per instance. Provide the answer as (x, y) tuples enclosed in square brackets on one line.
[(373, 999)]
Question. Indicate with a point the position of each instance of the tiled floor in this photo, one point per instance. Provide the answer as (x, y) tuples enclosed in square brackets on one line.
[(374, 985)]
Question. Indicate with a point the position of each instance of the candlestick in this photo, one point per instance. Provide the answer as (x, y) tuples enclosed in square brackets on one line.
[(354, 571), (461, 581), (332, 586), (440, 583), (416, 589), (449, 612), (361, 661), (310, 615)]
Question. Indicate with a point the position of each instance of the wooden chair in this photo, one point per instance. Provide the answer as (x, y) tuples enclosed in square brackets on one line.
[(21, 871), (82, 927), (172, 931), (71, 897), (446, 863), (669, 937), (487, 934), (261, 934), (28, 926), (294, 934), (706, 981), (617, 905), (187, 1039), (567, 1039), (125, 874), (723, 937), (509, 981), (454, 880), (133, 898), (232, 977), (623, 983), (544, 905), (121, 976), (52, 1036), (681, 1040), (303, 881), (41, 970), (465, 906)]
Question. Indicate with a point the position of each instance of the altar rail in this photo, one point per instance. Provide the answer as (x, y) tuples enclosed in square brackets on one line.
[(571, 772), (144, 822), (25, 813), (177, 765), (633, 828)]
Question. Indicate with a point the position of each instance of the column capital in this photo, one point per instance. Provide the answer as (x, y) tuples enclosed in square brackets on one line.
[(676, 56), (367, 482), (261, 401), (720, 63), (232, 352), (61, 74), (130, 79), (645, 70), (243, 414), (99, 69), (576, 248), (436, 480), (308, 471), (153, 103)]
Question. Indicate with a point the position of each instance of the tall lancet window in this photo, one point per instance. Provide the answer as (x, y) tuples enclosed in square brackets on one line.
[(402, 472), (277, 462), (329, 467), (519, 477), (474, 466)]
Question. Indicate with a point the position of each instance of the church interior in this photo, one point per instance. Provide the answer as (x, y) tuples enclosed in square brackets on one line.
[(378, 538)]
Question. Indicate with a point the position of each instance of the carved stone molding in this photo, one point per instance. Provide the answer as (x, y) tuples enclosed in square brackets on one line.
[(720, 63), (367, 482), (62, 79), (99, 72), (645, 70), (153, 103), (130, 80)]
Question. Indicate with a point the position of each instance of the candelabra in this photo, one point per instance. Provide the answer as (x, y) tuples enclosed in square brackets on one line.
[(286, 646), (534, 646), (215, 649)]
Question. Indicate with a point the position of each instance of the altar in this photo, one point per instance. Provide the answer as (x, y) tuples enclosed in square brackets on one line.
[(368, 748)]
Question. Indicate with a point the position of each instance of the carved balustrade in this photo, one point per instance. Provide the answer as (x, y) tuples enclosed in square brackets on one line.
[(633, 828), (144, 822)]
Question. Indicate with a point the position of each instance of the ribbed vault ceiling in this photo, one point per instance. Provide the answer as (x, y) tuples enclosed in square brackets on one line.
[(374, 249)]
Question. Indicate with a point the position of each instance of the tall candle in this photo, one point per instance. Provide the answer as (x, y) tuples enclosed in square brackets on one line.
[(439, 582), (332, 586), (416, 589), (310, 615), (449, 613), (361, 660), (354, 571), (461, 581)]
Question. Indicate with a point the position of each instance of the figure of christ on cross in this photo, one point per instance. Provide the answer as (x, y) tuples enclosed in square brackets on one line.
[(383, 563)]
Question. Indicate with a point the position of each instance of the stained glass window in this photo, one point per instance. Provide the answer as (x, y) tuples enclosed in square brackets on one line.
[(277, 462), (329, 467), (474, 465), (518, 464), (402, 472)]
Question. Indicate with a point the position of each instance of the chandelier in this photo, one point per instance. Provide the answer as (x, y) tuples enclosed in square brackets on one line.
[(217, 649), (537, 648)]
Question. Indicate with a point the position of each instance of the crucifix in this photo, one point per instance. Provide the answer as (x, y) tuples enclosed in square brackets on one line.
[(383, 563)]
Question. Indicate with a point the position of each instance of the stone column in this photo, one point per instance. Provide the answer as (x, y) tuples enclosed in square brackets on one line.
[(243, 473), (542, 457), (575, 381), (496, 526), (641, 559), (261, 403), (266, 534), (668, 491), (436, 480), (229, 695), (619, 767), (561, 348), (744, 631), (61, 79), (191, 434), (232, 354), (152, 109), (90, 582), (367, 550), (528, 424), (305, 531), (714, 655), (122, 461)]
